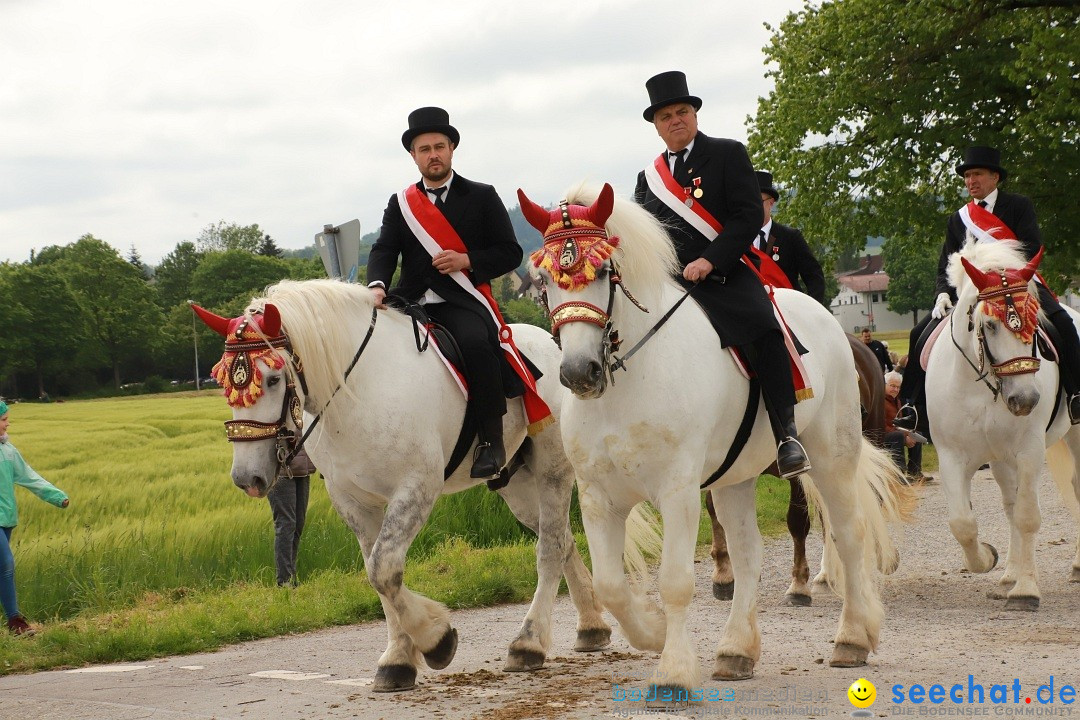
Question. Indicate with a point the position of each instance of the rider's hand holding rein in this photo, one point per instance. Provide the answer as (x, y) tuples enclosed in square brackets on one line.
[(698, 270), (941, 306), (380, 297)]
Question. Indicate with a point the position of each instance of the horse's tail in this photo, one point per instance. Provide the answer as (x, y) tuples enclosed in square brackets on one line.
[(883, 498), (644, 540), (1062, 465)]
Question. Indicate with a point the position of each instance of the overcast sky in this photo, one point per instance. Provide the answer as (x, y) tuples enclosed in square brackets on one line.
[(143, 122)]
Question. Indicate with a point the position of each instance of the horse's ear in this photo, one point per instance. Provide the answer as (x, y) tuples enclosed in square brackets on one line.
[(216, 323), (271, 322), (1028, 270), (977, 276), (601, 209), (537, 216)]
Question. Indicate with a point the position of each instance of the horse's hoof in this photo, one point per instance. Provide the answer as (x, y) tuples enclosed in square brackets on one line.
[(394, 678), (846, 655), (441, 655), (998, 593), (723, 591), (994, 552), (1023, 603), (523, 661), (1075, 577), (797, 600), (733, 667), (592, 640)]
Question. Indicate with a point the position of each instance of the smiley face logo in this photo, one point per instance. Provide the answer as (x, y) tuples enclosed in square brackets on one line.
[(862, 693)]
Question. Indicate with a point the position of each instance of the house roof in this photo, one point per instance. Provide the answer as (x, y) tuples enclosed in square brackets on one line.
[(876, 282)]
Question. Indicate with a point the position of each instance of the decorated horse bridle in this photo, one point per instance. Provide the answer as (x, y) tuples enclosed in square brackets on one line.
[(248, 340), (577, 249), (1003, 294)]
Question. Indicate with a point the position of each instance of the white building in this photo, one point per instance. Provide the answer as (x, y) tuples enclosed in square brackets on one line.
[(863, 300)]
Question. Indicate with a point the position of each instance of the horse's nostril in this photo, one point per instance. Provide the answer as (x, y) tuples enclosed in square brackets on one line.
[(594, 371)]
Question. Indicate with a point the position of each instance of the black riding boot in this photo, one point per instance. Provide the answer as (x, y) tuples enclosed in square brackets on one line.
[(490, 455), (791, 459)]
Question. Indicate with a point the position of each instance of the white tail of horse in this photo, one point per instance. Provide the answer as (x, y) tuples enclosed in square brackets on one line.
[(884, 499), (644, 540), (1062, 466)]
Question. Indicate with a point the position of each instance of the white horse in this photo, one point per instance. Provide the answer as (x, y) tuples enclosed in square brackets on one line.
[(387, 431), (658, 430), (984, 354)]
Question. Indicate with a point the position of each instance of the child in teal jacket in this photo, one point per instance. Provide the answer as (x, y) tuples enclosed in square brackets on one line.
[(14, 471)]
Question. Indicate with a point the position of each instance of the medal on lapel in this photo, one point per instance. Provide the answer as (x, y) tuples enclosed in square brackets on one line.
[(698, 192)]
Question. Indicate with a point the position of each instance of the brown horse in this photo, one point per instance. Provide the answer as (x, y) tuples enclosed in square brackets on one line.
[(872, 399)]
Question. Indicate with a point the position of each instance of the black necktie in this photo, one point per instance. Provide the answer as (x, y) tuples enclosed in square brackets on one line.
[(677, 171), (438, 193), (761, 240), (983, 203)]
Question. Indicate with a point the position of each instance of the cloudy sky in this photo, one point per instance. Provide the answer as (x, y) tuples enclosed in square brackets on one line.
[(144, 122)]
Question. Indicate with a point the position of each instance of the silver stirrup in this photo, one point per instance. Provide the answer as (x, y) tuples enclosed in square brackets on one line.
[(805, 467)]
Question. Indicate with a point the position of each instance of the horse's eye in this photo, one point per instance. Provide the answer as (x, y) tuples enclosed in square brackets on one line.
[(990, 326), (274, 380)]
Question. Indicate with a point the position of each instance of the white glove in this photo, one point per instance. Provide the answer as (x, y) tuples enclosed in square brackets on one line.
[(941, 306)]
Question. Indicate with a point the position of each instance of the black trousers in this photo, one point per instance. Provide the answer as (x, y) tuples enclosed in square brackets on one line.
[(475, 336), (768, 356)]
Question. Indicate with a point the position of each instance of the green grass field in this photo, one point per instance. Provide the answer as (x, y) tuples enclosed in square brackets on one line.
[(159, 553)]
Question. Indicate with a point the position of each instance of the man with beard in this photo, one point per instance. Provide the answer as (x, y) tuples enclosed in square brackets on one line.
[(453, 236)]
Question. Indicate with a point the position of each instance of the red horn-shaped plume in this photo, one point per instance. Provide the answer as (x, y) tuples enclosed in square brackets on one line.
[(216, 323), (1028, 270), (537, 216), (977, 276), (271, 321), (600, 210)]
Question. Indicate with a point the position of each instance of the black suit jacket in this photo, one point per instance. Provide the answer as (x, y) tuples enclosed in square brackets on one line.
[(1016, 211), (479, 217), (789, 249), (733, 297)]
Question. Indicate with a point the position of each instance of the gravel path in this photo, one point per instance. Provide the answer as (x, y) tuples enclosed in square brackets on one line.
[(940, 627)]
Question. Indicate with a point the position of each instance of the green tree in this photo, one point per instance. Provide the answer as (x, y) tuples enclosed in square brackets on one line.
[(122, 317), (269, 248), (221, 276), (911, 264), (875, 101), (524, 310), (221, 236), (173, 276), (136, 262), (42, 321)]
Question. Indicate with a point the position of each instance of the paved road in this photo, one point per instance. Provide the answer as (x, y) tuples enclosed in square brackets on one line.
[(940, 628)]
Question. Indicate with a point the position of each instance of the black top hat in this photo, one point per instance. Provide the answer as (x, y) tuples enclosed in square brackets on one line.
[(764, 181), (981, 156), (429, 119), (668, 88)]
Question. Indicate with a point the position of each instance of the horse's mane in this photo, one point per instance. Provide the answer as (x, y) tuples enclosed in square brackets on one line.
[(315, 315), (645, 255), (1000, 255)]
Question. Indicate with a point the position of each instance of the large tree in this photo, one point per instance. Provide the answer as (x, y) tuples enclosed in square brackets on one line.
[(123, 319), (43, 324), (173, 276), (875, 101), (223, 236), (222, 276)]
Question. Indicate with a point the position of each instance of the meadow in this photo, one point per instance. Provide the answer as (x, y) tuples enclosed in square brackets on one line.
[(159, 553)]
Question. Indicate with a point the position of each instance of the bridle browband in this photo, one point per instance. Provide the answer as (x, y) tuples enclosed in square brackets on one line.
[(287, 445)]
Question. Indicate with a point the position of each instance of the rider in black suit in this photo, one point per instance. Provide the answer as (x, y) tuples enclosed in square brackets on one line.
[(480, 219), (787, 247), (982, 173), (718, 174)]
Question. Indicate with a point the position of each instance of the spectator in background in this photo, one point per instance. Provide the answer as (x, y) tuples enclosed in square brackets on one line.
[(288, 502), (896, 439), (879, 349), (14, 471)]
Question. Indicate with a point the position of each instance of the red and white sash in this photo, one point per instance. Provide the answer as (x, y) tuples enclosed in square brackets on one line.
[(436, 234), (984, 225), (664, 186)]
